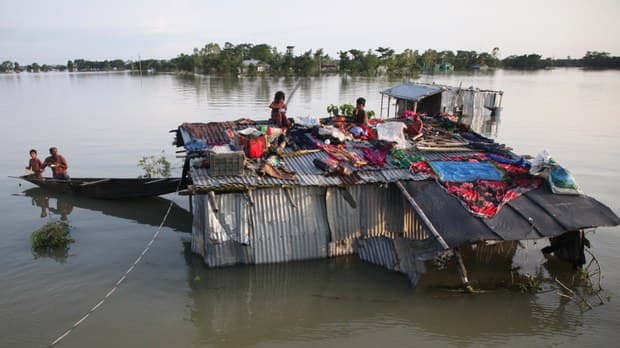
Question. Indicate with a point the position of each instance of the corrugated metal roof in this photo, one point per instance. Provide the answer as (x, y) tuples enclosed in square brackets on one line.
[(213, 133), (535, 214), (412, 91), (307, 175)]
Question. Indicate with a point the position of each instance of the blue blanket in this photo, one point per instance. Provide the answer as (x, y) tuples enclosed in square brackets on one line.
[(457, 171)]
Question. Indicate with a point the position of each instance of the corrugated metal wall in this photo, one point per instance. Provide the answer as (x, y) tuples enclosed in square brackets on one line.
[(231, 221), (474, 112), (287, 224), (382, 210), (198, 225), (413, 228), (379, 251), (283, 232)]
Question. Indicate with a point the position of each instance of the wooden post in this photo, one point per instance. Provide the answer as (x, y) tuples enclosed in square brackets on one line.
[(415, 106), (462, 271), (388, 112), (381, 113), (213, 200)]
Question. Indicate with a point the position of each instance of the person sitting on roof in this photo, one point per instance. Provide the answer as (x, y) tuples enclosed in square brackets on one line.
[(360, 117), (415, 125), (57, 163), (278, 111), (35, 164)]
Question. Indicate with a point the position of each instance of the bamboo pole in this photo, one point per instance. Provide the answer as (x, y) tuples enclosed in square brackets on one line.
[(461, 266)]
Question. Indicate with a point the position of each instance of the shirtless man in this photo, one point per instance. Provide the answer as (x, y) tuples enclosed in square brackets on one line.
[(57, 163)]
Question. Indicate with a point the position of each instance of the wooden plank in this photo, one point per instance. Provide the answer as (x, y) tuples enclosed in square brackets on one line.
[(94, 182)]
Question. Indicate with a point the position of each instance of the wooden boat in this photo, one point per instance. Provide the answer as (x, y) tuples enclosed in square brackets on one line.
[(109, 188), (147, 211)]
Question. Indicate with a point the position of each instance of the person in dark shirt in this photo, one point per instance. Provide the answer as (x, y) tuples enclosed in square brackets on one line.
[(35, 164), (360, 118), (57, 163), (278, 111)]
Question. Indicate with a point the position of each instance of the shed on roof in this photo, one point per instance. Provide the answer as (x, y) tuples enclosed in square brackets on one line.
[(412, 91)]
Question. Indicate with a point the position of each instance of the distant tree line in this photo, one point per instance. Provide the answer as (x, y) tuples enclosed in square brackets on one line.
[(591, 60), (250, 59)]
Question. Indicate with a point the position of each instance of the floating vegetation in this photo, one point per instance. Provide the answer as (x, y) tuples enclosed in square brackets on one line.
[(527, 283), (53, 235)]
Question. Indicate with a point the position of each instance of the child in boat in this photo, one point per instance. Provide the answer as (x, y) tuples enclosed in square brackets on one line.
[(35, 164)]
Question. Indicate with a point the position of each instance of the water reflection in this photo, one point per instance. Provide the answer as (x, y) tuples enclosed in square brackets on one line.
[(344, 297), (144, 211)]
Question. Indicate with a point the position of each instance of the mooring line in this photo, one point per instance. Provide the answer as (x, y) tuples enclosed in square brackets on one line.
[(119, 282)]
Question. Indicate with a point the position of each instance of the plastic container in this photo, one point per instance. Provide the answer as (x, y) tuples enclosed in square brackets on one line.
[(256, 147)]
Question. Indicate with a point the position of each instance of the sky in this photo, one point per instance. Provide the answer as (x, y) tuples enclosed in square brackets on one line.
[(53, 32)]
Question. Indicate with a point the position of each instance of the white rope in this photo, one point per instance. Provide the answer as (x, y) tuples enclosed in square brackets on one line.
[(118, 283)]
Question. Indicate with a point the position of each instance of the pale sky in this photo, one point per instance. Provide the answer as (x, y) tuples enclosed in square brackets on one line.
[(54, 31)]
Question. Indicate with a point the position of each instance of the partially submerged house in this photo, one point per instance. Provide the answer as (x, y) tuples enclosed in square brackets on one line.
[(397, 211), (478, 108), (254, 66)]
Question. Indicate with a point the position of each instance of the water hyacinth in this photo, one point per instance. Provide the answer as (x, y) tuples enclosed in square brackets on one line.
[(52, 235)]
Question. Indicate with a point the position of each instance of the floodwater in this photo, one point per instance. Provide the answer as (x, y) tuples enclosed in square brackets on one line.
[(103, 123)]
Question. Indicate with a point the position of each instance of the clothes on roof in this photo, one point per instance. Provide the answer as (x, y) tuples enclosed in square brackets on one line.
[(484, 179)]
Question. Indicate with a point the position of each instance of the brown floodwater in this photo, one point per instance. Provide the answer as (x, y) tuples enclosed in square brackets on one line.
[(103, 123)]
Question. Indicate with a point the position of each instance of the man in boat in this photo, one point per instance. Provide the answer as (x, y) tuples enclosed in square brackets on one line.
[(57, 163), (35, 164)]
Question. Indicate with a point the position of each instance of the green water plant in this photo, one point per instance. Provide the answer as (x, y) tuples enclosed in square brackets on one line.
[(155, 167), (53, 235), (347, 109), (332, 110)]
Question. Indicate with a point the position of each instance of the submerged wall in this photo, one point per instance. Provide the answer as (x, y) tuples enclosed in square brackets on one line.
[(288, 224)]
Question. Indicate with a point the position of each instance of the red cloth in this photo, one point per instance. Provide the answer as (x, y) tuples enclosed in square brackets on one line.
[(341, 154), (374, 157)]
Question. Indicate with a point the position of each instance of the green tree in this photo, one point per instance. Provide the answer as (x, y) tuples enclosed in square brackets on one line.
[(7, 66), (594, 59), (345, 62), (429, 58)]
